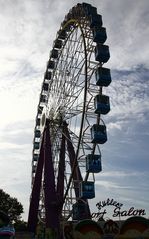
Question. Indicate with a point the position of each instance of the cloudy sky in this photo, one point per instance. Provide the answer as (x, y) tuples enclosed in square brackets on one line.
[(28, 29)]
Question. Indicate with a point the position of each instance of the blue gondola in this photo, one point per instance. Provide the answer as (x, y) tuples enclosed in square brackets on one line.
[(89, 9), (99, 35), (102, 53), (102, 104), (45, 86), (48, 74), (103, 76), (77, 10), (68, 27), (79, 210), (86, 6), (95, 20), (93, 163), (69, 15), (98, 134), (54, 53), (79, 5), (37, 133), (38, 121), (51, 64), (36, 145), (87, 190), (34, 169), (64, 22), (40, 109), (72, 13), (62, 34), (75, 13), (35, 157), (43, 98), (58, 44)]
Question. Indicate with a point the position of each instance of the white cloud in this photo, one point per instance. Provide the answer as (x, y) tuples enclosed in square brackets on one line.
[(111, 185), (127, 32), (116, 125)]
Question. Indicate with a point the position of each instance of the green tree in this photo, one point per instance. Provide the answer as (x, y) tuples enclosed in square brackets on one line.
[(20, 225), (10, 206)]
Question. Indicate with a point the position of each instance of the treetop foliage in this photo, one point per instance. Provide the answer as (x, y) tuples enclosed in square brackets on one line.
[(10, 206)]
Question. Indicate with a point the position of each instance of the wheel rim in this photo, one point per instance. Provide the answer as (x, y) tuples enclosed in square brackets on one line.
[(67, 97)]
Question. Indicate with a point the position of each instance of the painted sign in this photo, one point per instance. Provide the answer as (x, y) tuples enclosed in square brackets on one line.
[(132, 228), (117, 211)]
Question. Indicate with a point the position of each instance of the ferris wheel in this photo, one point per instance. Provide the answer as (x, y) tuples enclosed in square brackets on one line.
[(69, 126)]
